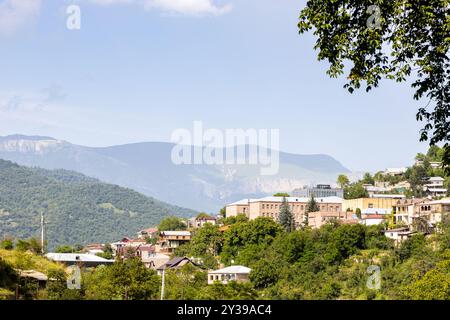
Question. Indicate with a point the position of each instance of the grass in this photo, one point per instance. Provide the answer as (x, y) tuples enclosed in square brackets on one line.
[(28, 261)]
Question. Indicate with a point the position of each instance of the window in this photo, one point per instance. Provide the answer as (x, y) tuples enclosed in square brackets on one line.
[(370, 205)]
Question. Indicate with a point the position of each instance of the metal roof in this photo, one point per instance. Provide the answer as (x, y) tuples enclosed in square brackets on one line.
[(75, 257), (176, 233), (232, 269), (299, 200)]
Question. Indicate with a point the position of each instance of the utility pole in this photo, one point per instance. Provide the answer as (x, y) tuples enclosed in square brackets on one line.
[(42, 233), (163, 282)]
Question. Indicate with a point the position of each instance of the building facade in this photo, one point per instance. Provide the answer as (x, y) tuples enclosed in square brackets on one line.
[(270, 207), (169, 240), (320, 191), (233, 273), (369, 203), (239, 207)]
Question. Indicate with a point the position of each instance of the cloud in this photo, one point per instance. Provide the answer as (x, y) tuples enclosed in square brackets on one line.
[(185, 7), (111, 2), (14, 14), (188, 7), (20, 101)]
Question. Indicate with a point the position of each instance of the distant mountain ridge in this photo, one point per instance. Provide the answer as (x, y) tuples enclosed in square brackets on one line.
[(78, 209), (147, 168)]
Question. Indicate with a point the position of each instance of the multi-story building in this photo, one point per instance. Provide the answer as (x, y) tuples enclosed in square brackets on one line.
[(270, 207), (319, 191), (383, 202), (238, 207), (435, 187), (406, 211), (169, 240), (433, 164)]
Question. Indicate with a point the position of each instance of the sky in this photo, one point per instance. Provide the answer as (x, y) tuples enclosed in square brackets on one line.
[(137, 70)]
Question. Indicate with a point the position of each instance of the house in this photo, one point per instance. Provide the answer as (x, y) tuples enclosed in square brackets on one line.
[(232, 273), (94, 248), (169, 240), (373, 219), (84, 259), (399, 235), (433, 164), (35, 276), (127, 247), (175, 263), (404, 210), (151, 233), (433, 210), (435, 187), (395, 171), (155, 260), (198, 222)]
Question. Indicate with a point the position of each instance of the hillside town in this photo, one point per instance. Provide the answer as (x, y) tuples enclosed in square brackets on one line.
[(387, 212), (383, 204)]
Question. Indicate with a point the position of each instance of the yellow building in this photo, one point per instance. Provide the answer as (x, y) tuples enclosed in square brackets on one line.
[(369, 203)]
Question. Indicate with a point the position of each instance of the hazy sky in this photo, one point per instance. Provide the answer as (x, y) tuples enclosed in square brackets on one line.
[(139, 69)]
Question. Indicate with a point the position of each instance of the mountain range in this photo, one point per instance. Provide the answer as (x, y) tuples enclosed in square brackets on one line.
[(147, 168), (77, 209)]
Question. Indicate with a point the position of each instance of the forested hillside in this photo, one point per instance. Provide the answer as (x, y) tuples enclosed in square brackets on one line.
[(78, 209)]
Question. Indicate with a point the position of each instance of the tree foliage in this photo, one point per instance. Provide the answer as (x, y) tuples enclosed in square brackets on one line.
[(77, 209), (389, 39), (285, 217)]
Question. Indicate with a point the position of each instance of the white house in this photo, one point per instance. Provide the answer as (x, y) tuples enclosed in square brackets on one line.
[(399, 234), (435, 187), (232, 273)]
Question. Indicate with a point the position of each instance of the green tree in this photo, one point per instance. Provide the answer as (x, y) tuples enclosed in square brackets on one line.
[(171, 224), (393, 40), (231, 291), (368, 179), (22, 245), (282, 194), (64, 249), (358, 213), (207, 239), (250, 237), (312, 206), (286, 218), (125, 280), (184, 283), (355, 191), (7, 244), (264, 274), (434, 285), (416, 176), (342, 181), (223, 212), (57, 287), (203, 215)]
